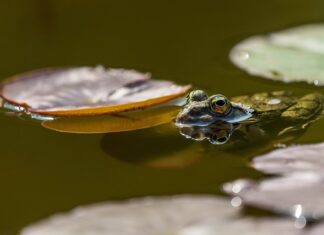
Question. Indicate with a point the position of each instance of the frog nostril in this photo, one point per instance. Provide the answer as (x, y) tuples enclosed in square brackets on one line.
[(195, 111)]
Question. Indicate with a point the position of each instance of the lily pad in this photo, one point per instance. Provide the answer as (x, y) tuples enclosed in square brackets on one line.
[(298, 186), (182, 215), (299, 158), (303, 192), (291, 55), (87, 91)]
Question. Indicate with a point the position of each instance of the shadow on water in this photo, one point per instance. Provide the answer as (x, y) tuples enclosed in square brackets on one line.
[(169, 147), (155, 147)]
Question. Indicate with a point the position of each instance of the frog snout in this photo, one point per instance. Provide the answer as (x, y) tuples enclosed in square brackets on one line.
[(183, 117), (194, 117)]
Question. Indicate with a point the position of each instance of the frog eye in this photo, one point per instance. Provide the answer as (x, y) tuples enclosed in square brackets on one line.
[(220, 137), (197, 95), (220, 104)]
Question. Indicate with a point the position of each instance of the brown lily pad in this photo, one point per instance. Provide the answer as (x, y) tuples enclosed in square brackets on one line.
[(84, 91)]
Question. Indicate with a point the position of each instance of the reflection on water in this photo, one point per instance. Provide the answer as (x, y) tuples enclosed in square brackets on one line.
[(216, 133), (243, 138), (22, 112), (155, 147), (163, 147)]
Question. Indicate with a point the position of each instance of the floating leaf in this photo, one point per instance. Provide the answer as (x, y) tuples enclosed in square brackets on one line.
[(299, 186), (87, 91), (114, 122), (317, 230), (302, 192), (299, 158), (182, 215), (291, 55)]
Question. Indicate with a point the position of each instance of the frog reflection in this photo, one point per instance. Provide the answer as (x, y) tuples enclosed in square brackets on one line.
[(217, 133), (263, 115)]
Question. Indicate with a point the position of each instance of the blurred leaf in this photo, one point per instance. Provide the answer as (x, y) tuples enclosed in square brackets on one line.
[(300, 194), (295, 159), (87, 91), (298, 189), (179, 215), (291, 55)]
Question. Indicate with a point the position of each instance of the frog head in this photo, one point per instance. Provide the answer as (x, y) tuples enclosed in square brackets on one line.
[(201, 110)]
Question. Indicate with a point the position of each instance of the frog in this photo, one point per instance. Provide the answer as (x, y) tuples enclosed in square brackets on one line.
[(216, 117)]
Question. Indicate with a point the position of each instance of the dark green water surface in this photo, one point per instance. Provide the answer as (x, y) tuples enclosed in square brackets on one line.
[(43, 172)]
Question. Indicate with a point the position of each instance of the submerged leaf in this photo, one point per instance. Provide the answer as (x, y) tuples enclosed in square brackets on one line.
[(181, 215), (291, 55), (300, 182), (114, 122), (87, 91)]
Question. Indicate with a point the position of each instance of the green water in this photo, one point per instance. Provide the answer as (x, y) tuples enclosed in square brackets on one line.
[(43, 172)]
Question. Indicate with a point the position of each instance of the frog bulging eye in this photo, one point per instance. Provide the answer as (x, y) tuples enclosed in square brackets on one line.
[(220, 104), (219, 137), (197, 95)]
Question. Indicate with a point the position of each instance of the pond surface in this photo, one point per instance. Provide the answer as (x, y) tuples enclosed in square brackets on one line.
[(43, 172)]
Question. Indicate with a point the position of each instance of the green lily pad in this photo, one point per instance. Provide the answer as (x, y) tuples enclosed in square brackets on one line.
[(291, 55)]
